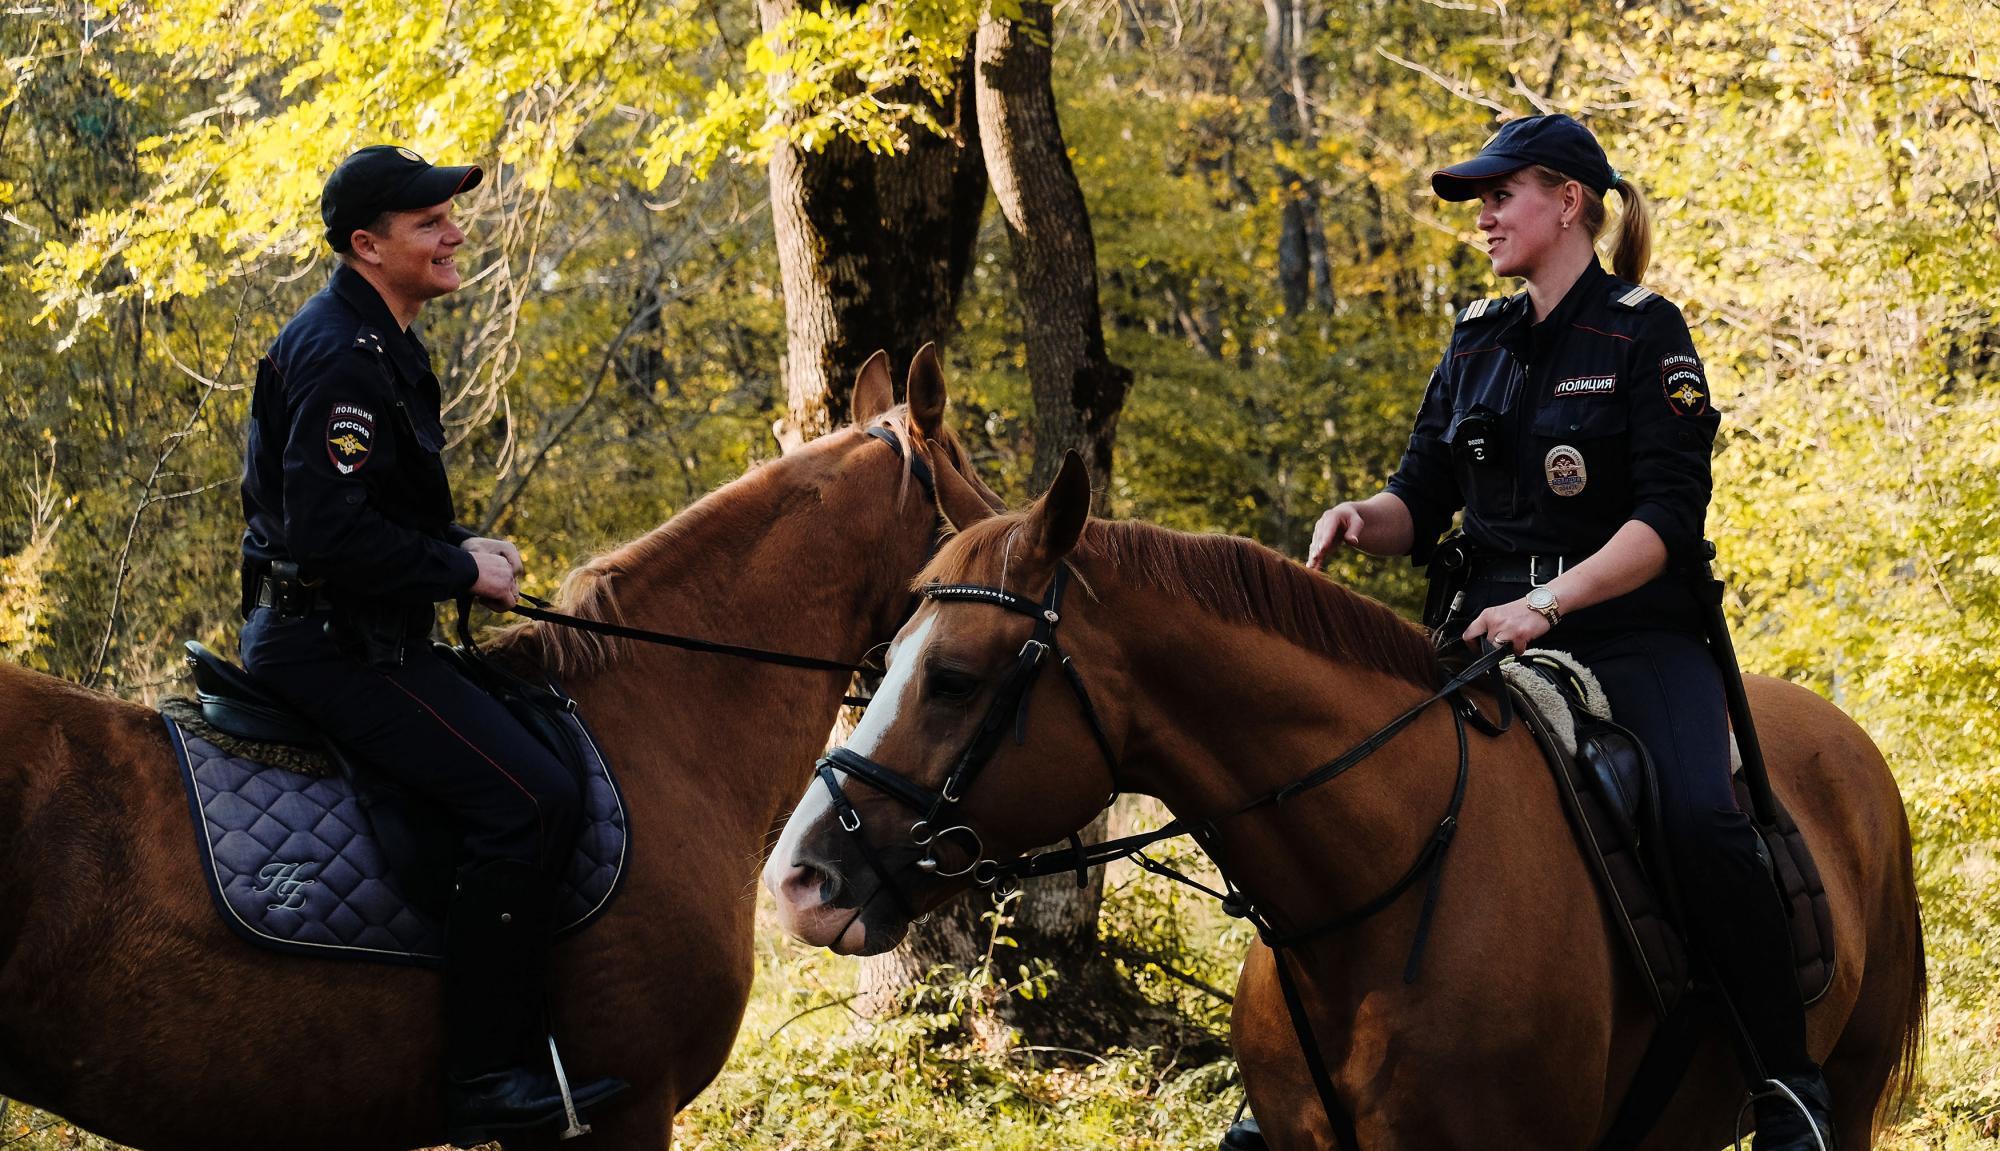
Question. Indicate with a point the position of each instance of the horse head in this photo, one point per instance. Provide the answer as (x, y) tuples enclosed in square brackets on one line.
[(944, 777), (859, 506)]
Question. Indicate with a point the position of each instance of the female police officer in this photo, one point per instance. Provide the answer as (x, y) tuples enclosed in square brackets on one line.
[(350, 541), (1573, 425)]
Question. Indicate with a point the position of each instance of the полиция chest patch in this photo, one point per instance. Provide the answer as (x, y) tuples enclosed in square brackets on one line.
[(1587, 386)]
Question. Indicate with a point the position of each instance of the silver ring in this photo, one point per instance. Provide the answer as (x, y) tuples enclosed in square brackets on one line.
[(976, 854)]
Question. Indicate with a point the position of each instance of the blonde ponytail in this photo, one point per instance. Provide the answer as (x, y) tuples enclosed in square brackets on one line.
[(1633, 252)]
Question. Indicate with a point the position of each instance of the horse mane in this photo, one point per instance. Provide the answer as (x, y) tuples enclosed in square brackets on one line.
[(1235, 579), (591, 589)]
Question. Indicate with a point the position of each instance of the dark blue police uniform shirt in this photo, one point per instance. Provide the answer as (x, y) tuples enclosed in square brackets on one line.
[(342, 472), (1599, 414)]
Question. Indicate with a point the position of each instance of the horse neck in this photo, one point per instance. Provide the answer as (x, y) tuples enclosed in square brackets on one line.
[(757, 564), (1228, 713)]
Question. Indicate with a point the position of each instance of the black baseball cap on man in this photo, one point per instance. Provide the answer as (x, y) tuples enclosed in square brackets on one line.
[(384, 178), (1555, 141)]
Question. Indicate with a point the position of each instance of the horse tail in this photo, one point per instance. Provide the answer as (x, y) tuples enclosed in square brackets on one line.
[(1903, 1081)]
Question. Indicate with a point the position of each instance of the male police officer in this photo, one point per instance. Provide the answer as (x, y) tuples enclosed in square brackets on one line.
[(350, 543)]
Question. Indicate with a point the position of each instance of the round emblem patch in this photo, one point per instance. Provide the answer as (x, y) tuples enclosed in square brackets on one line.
[(406, 154), (1681, 379), (350, 433), (1564, 467)]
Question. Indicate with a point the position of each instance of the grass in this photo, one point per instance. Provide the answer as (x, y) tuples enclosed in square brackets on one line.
[(809, 1075)]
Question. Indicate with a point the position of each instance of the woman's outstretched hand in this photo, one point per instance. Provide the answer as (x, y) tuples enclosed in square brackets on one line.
[(1379, 525), (1339, 524)]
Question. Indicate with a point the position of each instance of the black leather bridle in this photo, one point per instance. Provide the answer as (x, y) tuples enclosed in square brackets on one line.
[(1010, 706)]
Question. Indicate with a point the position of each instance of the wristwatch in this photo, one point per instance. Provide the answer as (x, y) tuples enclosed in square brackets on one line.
[(1543, 600)]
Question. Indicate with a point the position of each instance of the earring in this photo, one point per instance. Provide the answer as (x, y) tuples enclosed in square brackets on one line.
[(1565, 225)]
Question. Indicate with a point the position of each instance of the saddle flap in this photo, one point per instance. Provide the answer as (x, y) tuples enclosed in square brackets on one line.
[(1637, 913), (1617, 766)]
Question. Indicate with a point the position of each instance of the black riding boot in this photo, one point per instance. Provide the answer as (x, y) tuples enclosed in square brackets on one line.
[(497, 1075), (1244, 1136), (1748, 938)]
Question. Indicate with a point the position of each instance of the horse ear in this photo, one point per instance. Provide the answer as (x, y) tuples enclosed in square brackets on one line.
[(787, 435), (926, 391), (874, 392), (1057, 521), (961, 503)]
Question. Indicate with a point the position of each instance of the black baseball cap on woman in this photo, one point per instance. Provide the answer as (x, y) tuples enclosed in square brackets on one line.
[(385, 178), (1554, 141)]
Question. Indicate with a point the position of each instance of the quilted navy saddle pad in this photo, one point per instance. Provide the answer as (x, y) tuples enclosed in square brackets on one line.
[(293, 865)]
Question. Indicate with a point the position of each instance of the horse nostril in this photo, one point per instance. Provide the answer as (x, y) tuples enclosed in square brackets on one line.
[(825, 884)]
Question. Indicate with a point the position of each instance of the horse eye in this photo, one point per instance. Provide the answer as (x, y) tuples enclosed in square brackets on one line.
[(951, 684)]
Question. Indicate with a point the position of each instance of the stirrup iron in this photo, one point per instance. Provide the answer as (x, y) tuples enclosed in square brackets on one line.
[(1775, 1088)]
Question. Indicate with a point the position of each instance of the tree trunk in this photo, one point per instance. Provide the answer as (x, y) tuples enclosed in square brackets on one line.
[(1078, 394), (1305, 275), (872, 250), (1078, 390)]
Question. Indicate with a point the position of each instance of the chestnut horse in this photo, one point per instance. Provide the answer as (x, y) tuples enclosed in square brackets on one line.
[(131, 1009), (1219, 672)]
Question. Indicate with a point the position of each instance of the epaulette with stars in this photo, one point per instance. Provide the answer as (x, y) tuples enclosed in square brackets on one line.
[(370, 339)]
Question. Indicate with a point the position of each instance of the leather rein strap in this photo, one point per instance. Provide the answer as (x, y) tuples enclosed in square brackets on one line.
[(542, 611)]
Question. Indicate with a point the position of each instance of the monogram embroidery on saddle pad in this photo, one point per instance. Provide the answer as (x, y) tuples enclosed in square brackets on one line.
[(1606, 814), (294, 865)]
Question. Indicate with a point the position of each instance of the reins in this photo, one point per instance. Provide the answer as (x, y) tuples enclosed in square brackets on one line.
[(1010, 702), (541, 610)]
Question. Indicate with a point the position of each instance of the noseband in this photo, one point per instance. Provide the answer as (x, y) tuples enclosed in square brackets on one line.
[(1009, 707)]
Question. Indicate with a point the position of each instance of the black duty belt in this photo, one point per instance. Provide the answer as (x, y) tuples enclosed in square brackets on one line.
[(293, 601), (1531, 570)]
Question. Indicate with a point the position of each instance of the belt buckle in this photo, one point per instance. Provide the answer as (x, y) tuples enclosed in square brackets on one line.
[(1535, 573)]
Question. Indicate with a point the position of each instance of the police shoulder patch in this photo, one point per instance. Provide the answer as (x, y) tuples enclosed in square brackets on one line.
[(350, 436), (1685, 386)]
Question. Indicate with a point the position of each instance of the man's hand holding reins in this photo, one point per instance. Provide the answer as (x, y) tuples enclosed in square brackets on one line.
[(500, 571), (502, 548)]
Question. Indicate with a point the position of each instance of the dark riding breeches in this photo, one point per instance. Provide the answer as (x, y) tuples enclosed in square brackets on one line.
[(1665, 687), (425, 726)]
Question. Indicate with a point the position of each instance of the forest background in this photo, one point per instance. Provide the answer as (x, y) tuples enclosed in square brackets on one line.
[(1274, 280)]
